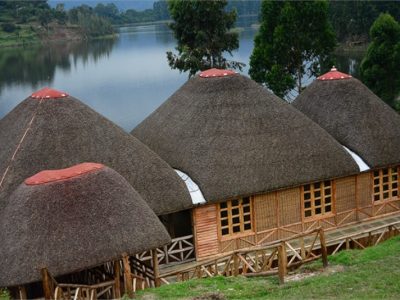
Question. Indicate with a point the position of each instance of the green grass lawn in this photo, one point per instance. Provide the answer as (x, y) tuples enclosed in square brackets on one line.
[(373, 273)]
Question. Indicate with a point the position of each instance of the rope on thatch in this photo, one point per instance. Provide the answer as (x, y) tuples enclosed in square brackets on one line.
[(57, 133), (20, 142)]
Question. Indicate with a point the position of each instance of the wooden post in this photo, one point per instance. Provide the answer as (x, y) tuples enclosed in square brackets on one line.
[(46, 283), (347, 244), (256, 265), (282, 262), (302, 248), (369, 239), (155, 268), (391, 232), (235, 265), (166, 254), (127, 276), (198, 272), (22, 293), (117, 278), (324, 251)]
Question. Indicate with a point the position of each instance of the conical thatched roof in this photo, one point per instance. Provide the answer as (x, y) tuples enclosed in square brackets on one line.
[(232, 137), (73, 219), (51, 130), (353, 115)]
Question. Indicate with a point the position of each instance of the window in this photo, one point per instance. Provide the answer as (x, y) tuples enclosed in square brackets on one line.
[(386, 184), (317, 198), (235, 216)]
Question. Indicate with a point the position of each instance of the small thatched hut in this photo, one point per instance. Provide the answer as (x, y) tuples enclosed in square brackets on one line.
[(265, 169), (354, 116), (73, 219), (52, 130)]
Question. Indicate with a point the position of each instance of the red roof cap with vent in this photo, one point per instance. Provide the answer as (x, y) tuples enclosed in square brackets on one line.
[(62, 174), (216, 73), (334, 74), (48, 93)]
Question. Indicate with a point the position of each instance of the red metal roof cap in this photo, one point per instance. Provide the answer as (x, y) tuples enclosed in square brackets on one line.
[(62, 174), (334, 74), (48, 93), (216, 73)]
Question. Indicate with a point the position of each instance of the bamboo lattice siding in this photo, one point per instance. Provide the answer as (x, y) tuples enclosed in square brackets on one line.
[(247, 241), (345, 194), (265, 207), (392, 207), (289, 206), (206, 230), (364, 190), (288, 231), (227, 246)]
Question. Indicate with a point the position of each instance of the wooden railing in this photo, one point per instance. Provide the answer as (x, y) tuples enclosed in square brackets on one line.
[(273, 258), (180, 250), (130, 275), (66, 291), (365, 238)]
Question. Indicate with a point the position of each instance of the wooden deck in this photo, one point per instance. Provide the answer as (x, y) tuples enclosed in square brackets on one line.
[(358, 235)]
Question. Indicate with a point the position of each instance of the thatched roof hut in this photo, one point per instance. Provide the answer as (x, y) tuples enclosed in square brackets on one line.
[(354, 116), (73, 219), (234, 138), (52, 130)]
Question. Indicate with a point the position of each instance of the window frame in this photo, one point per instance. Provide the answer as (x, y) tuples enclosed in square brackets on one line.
[(381, 183), (229, 217), (312, 199)]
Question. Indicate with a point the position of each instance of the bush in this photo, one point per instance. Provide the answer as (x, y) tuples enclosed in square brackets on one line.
[(4, 295), (9, 27)]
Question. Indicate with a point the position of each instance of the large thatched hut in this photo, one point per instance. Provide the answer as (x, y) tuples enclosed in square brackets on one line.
[(265, 169), (362, 122), (65, 221), (52, 130)]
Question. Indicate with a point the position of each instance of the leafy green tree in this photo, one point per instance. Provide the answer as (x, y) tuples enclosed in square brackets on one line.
[(160, 9), (202, 30), (294, 41), (59, 14), (92, 25), (352, 20), (108, 11), (380, 68), (45, 17)]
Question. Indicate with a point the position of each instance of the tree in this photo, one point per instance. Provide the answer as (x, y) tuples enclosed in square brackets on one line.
[(202, 30), (160, 9), (380, 68), (295, 39), (352, 20)]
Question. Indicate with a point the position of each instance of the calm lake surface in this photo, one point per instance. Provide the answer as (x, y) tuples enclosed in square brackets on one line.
[(124, 79)]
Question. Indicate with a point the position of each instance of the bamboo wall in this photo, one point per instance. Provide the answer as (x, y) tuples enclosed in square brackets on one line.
[(279, 215), (205, 224)]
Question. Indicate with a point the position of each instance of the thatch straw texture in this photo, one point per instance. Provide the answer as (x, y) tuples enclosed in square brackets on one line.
[(74, 224), (64, 132), (356, 117), (232, 137)]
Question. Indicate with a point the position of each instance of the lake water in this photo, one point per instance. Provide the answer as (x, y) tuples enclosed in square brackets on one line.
[(123, 79)]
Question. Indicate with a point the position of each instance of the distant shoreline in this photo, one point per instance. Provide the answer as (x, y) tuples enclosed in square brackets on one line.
[(33, 34)]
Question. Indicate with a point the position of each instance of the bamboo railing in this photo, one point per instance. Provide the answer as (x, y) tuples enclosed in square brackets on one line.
[(180, 250), (273, 258)]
